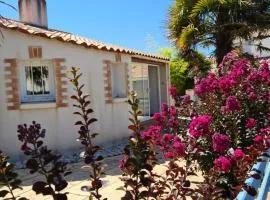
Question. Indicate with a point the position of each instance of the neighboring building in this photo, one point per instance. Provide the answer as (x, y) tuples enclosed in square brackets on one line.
[(34, 61), (251, 48)]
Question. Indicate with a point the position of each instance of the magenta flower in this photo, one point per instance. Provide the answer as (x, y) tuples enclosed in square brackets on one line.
[(226, 83), (232, 104), (152, 133), (164, 107), (252, 96), (179, 148), (173, 111), (185, 99), (173, 91), (268, 117), (172, 123), (238, 154), (221, 143), (206, 85), (258, 139), (122, 163), (223, 164), (251, 123), (167, 137), (199, 126), (170, 155), (146, 135), (158, 118)]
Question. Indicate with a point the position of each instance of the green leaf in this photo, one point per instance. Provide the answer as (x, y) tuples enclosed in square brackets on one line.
[(32, 164), (39, 187), (3, 193), (90, 121)]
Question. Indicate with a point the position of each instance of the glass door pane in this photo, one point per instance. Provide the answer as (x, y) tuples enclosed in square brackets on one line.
[(140, 83)]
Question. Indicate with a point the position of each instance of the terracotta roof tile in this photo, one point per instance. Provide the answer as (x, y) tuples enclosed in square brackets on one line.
[(69, 38)]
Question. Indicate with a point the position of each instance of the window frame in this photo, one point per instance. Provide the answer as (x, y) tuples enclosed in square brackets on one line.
[(123, 66), (26, 99)]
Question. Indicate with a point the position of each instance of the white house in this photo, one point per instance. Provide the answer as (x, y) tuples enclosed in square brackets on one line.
[(34, 61)]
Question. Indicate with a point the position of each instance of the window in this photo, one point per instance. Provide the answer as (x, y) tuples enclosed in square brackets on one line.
[(119, 87), (140, 83), (37, 82)]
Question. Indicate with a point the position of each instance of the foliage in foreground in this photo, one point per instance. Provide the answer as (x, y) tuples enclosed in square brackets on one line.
[(8, 179), (92, 161), (222, 135), (139, 159), (44, 162)]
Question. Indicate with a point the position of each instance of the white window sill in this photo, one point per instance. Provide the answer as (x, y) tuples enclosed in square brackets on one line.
[(30, 106), (120, 100), (144, 118)]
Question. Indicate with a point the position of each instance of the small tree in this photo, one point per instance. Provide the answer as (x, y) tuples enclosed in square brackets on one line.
[(43, 161), (138, 161), (86, 138)]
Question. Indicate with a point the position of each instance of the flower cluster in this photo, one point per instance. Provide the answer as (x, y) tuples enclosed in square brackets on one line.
[(152, 133), (199, 126), (251, 123), (221, 143), (168, 116), (172, 146), (224, 132), (238, 154), (173, 91), (232, 104), (222, 163)]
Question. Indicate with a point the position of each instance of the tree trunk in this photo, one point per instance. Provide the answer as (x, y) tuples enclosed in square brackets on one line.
[(223, 37), (223, 45)]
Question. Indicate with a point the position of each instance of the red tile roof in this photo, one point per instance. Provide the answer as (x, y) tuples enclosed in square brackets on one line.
[(69, 38)]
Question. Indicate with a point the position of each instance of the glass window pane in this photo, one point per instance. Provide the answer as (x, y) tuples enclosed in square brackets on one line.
[(37, 80), (45, 79), (28, 79), (140, 85), (118, 81)]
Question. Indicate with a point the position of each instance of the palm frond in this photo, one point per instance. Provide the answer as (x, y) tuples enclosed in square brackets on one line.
[(204, 6), (187, 34), (260, 47), (9, 5)]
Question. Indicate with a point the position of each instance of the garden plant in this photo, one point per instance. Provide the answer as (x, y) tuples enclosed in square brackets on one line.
[(217, 134), (8, 179), (93, 162), (44, 162), (222, 134)]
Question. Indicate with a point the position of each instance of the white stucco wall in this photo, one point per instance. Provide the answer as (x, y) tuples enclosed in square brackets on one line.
[(252, 49), (61, 133)]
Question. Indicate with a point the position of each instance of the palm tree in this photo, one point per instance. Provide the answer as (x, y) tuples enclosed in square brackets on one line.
[(219, 24)]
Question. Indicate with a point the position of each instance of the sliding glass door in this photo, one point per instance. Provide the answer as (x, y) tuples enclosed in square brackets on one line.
[(140, 82)]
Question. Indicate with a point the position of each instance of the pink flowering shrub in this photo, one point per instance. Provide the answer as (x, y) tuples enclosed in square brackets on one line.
[(199, 126), (221, 143), (224, 132)]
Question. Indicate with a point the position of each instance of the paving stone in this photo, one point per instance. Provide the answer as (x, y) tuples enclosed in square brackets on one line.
[(79, 177)]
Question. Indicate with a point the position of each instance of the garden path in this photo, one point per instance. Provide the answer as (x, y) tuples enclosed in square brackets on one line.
[(78, 178)]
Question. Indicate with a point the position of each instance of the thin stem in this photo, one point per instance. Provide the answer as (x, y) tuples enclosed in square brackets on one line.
[(11, 192), (43, 170), (87, 136)]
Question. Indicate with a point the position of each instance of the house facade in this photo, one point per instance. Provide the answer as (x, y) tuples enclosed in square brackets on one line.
[(34, 65)]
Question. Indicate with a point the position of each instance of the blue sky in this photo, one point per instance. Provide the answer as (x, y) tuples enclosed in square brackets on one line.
[(138, 24)]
